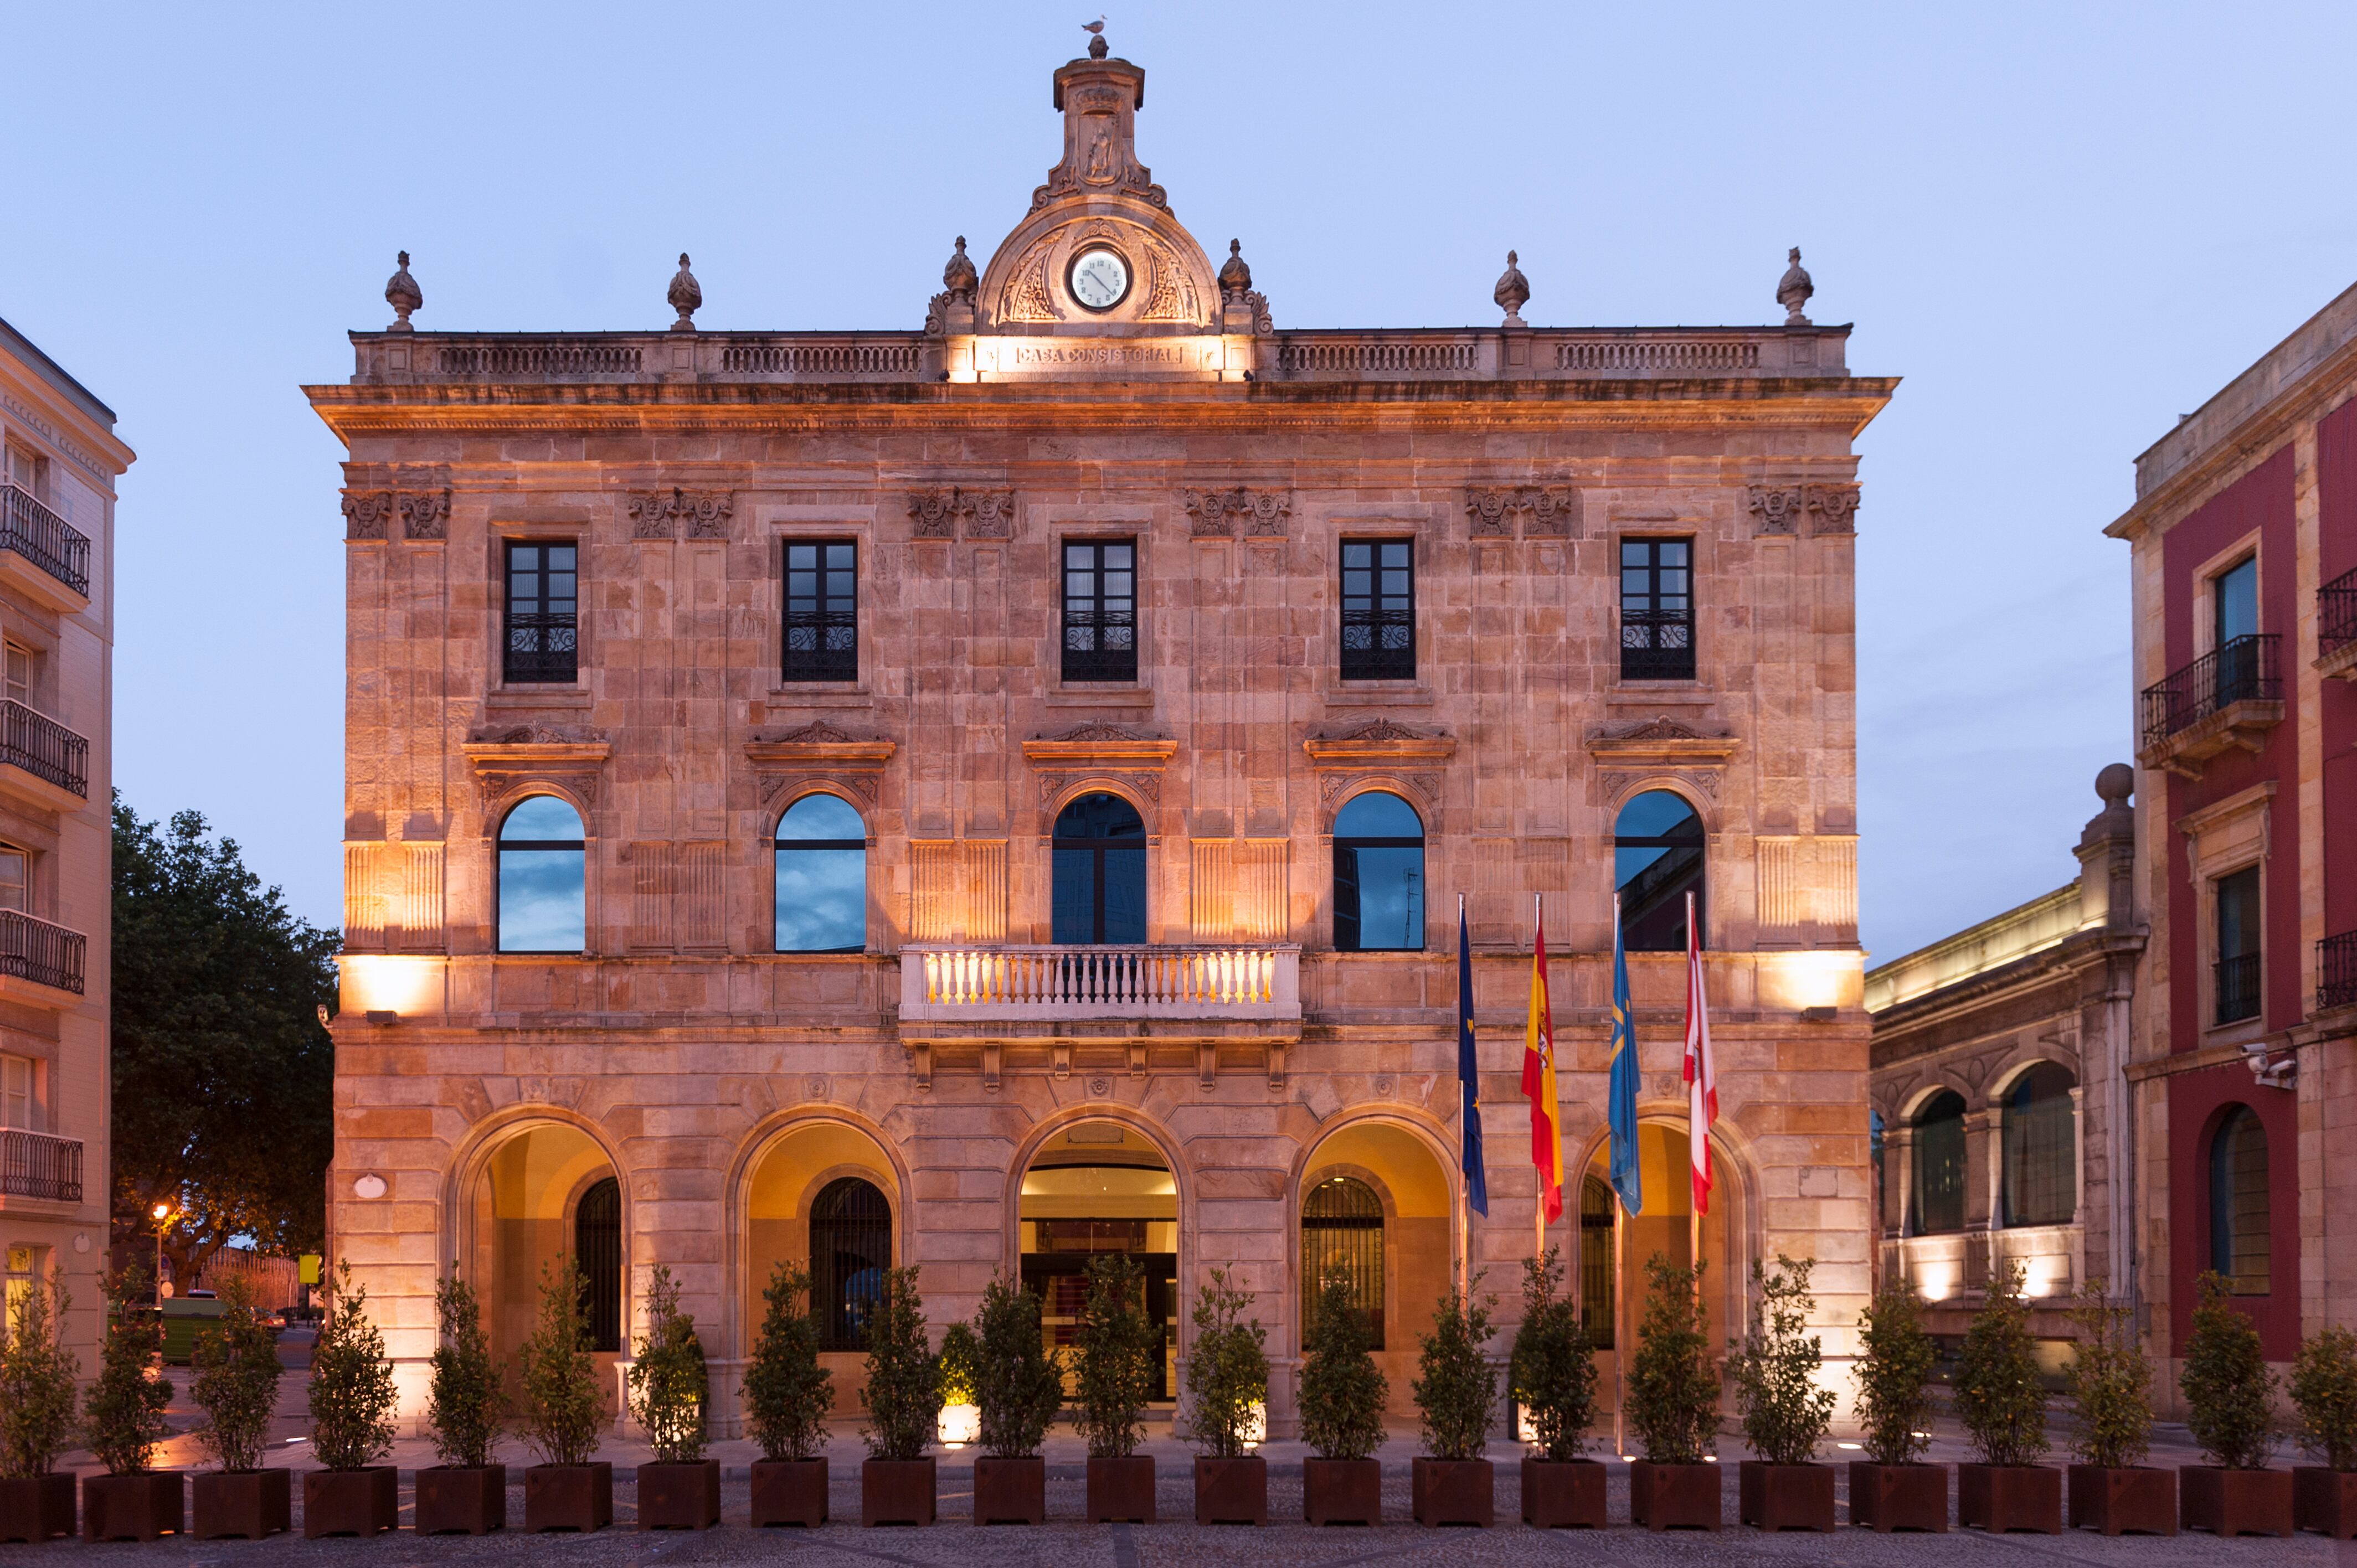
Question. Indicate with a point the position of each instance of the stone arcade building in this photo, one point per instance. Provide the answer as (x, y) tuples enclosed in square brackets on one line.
[(977, 796)]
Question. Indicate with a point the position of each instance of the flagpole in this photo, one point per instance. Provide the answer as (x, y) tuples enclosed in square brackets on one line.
[(1465, 1183), (1694, 999), (1539, 1205), (1619, 1317)]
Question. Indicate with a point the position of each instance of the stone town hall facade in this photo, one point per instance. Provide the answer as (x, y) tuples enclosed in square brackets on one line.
[(978, 796)]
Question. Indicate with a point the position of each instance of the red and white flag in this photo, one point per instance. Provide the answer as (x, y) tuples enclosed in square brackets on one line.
[(1702, 1081)]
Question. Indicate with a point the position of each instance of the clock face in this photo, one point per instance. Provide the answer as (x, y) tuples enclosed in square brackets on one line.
[(1099, 278)]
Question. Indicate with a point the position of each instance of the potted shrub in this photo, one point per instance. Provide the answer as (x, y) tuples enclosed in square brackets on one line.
[(467, 1492), (1227, 1392), (904, 1401), (669, 1388), (2229, 1411), (960, 1423), (1785, 1414), (1553, 1374), (123, 1421), (37, 1414), (1892, 1488), (563, 1411), (787, 1397), (353, 1402), (2110, 1384), (1673, 1393), (1342, 1395), (2002, 1406), (1452, 1482), (2324, 1393), (1018, 1384), (236, 1361), (1114, 1344)]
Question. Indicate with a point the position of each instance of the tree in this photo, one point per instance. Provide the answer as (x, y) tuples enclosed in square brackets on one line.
[(1019, 1383), (37, 1380), (1673, 1385), (669, 1383), (1227, 1375), (1553, 1367), (1894, 1376), (1999, 1400), (463, 1404), (1458, 1392), (223, 1073), (787, 1392), (1785, 1414), (237, 1380), (352, 1394), (1116, 1344), (1342, 1389)]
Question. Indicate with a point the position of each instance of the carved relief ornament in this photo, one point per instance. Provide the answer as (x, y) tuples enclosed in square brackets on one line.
[(1662, 741), (1223, 514), (1833, 508), (1548, 511), (1380, 748), (510, 757), (978, 514), (1775, 508), (656, 514), (817, 753), (1127, 757), (369, 513)]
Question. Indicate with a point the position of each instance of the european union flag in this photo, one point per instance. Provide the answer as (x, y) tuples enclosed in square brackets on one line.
[(1620, 1098), (1468, 1070)]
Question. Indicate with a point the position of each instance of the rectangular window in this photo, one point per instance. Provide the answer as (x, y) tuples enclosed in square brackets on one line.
[(2238, 946), (544, 614), (1100, 610), (2234, 625), (19, 672), (12, 888), (822, 610), (1657, 609), (17, 1093), (29, 472), (1378, 609)]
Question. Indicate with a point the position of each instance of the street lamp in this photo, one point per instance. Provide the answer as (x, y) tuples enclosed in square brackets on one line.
[(162, 1215)]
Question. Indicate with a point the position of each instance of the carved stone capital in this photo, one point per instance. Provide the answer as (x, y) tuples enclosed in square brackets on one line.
[(425, 514), (1775, 508), (1547, 511), (365, 513), (657, 514), (945, 514), (1832, 509)]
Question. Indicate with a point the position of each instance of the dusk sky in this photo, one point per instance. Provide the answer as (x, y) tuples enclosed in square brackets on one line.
[(2064, 226)]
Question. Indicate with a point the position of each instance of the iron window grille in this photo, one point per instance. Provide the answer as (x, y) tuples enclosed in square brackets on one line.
[(543, 622), (1657, 640), (1342, 1231), (2236, 975), (2241, 1217), (822, 636), (1100, 610), (2336, 972), (1378, 609), (597, 1245), (1596, 1300), (850, 1249), (2336, 612)]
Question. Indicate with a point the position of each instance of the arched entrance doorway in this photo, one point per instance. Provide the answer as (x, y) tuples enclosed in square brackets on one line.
[(1096, 1187), (547, 1191), (1663, 1227), (1376, 1206), (823, 1196)]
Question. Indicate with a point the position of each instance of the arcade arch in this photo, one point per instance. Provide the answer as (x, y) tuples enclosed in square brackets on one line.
[(546, 1190), (1092, 1187), (1414, 1248), (822, 1196)]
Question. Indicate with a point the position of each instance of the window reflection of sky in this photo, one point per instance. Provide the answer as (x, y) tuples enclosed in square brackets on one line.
[(539, 901), (1390, 899), (821, 877)]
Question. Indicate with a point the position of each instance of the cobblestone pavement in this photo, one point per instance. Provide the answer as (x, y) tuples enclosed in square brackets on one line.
[(954, 1542)]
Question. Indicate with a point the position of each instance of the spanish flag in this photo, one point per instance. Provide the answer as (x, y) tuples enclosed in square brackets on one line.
[(1538, 1085)]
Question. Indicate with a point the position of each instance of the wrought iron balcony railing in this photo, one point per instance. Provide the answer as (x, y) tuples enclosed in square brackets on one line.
[(822, 645), (38, 1164), (45, 539), (1656, 646), (1100, 645), (2336, 972), (2241, 670), (43, 747), (541, 648), (2336, 613), (38, 952), (1047, 982), (1378, 645), (2238, 982)]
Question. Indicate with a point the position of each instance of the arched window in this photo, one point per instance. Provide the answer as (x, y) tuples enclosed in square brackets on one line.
[(598, 1249), (1656, 862), (1342, 1229), (1378, 876), (2238, 1203), (1874, 1151), (1940, 1165), (821, 877), (541, 902), (1100, 872), (2041, 1156), (1595, 1260), (850, 1248)]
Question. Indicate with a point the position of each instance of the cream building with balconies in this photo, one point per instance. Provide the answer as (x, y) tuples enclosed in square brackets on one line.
[(57, 653), (984, 795)]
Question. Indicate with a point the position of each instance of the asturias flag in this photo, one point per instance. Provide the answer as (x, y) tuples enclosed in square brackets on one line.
[(1538, 1085), (1468, 1070), (1701, 1081), (1620, 1098)]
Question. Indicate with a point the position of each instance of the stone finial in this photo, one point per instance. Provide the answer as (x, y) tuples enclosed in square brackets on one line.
[(1236, 274), (1513, 291), (686, 297), (402, 292), (1096, 37), (959, 277), (1794, 289)]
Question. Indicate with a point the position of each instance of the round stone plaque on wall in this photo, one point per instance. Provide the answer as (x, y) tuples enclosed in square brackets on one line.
[(1100, 1087), (370, 1185)]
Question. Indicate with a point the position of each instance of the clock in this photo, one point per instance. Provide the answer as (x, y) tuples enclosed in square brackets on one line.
[(1099, 278)]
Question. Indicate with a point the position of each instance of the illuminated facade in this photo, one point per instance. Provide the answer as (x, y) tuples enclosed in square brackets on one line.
[(982, 795)]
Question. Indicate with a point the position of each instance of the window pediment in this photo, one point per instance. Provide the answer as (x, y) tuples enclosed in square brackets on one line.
[(817, 751), (1662, 741), (508, 757)]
